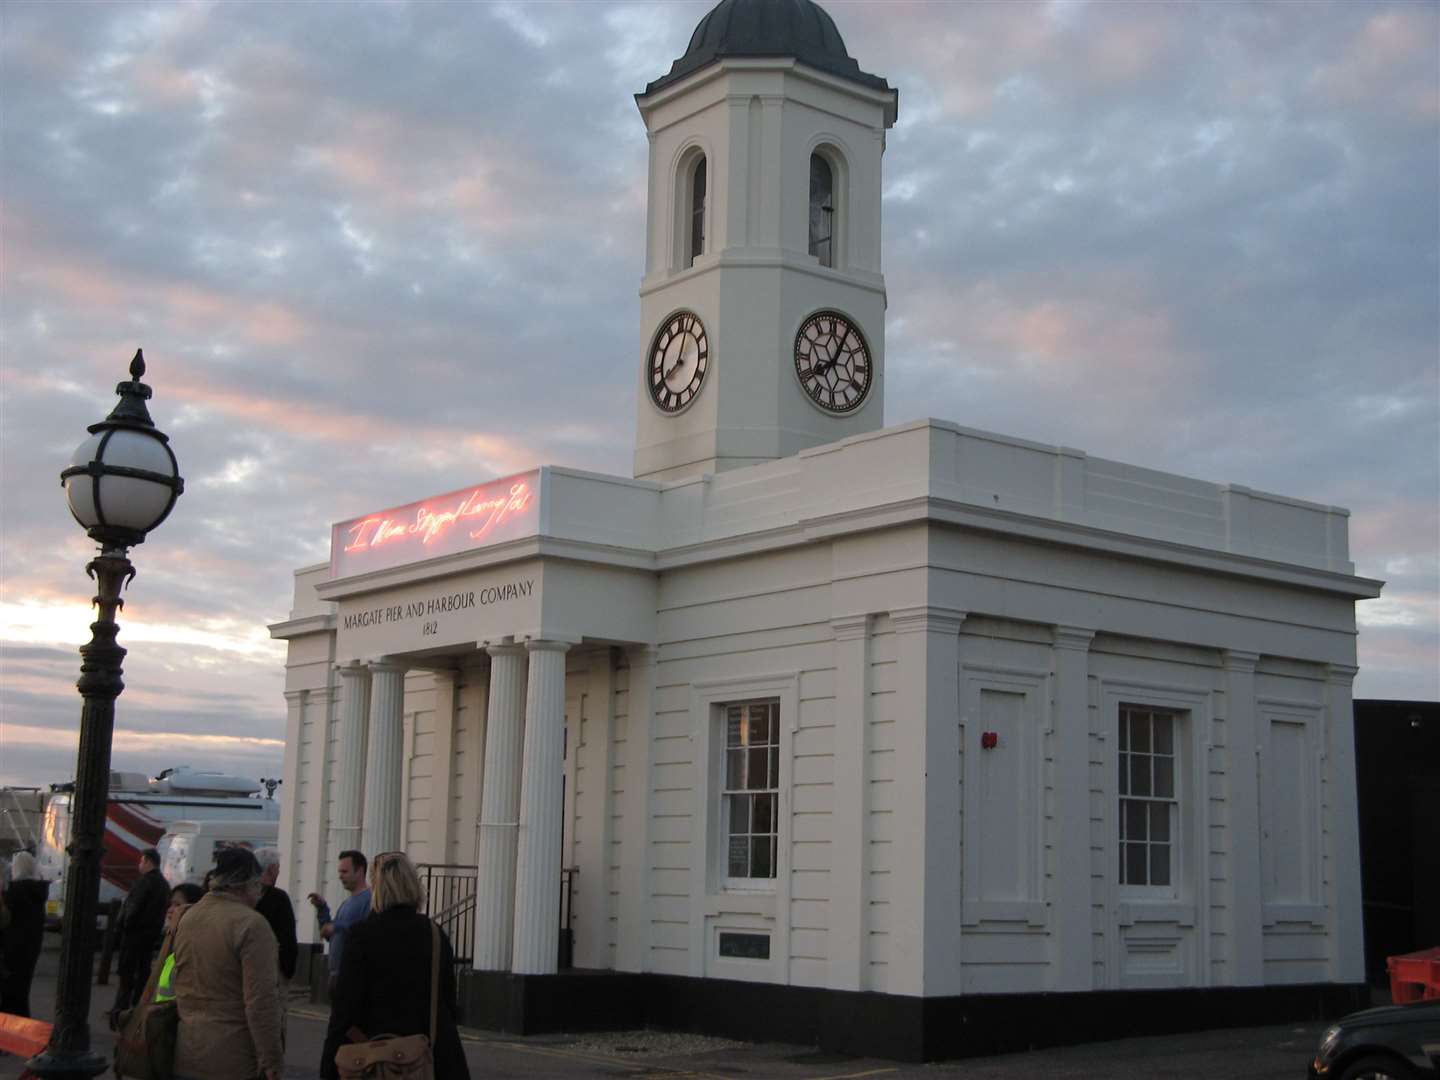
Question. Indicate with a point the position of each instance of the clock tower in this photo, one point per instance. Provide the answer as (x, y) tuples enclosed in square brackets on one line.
[(763, 304)]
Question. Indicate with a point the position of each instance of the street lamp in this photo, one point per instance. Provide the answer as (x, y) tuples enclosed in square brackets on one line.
[(122, 482)]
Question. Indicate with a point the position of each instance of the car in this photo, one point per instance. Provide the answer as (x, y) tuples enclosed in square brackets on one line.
[(1392, 1042)]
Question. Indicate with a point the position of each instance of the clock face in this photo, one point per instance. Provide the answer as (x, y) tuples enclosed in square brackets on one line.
[(679, 358), (833, 362)]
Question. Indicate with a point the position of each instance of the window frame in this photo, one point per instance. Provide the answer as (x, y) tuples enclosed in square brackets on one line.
[(686, 163), (828, 147), (729, 881), (764, 907), (1125, 756)]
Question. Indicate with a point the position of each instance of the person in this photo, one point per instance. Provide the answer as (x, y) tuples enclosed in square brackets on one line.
[(141, 923), (355, 908), (182, 896), (385, 977), (278, 910), (25, 901), (226, 980)]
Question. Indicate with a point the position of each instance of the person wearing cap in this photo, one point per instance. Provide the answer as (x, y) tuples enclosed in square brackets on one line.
[(226, 980)]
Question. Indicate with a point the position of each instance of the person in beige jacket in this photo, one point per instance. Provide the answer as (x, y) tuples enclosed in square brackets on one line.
[(226, 980)]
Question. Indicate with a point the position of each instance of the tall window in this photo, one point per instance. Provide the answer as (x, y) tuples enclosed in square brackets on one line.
[(751, 791), (697, 213), (822, 210), (1148, 804)]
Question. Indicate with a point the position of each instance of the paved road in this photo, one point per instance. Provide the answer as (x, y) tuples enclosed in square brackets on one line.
[(1266, 1053)]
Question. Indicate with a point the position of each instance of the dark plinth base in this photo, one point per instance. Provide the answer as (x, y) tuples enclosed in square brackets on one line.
[(877, 1025)]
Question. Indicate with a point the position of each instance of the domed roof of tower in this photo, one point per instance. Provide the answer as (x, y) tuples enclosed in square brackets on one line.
[(768, 28)]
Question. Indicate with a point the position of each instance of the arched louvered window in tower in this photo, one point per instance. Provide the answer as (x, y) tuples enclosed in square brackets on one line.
[(822, 210), (697, 212)]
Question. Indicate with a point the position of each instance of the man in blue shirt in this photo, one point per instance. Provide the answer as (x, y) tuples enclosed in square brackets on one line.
[(355, 907)]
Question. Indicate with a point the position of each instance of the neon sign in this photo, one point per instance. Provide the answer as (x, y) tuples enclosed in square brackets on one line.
[(443, 525)]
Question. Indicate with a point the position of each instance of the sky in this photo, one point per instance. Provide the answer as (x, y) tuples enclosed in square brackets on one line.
[(378, 251)]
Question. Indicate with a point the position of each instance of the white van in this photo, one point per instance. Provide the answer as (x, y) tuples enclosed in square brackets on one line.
[(188, 850)]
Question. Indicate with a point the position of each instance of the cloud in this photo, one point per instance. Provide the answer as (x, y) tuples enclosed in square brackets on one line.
[(376, 252)]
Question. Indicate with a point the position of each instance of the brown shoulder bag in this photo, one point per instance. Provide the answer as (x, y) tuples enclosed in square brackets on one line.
[(145, 1045), (395, 1057)]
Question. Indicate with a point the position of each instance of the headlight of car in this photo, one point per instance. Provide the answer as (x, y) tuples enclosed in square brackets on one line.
[(1329, 1041)]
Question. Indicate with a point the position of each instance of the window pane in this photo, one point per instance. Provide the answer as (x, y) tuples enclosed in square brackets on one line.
[(1164, 777), (759, 724), (764, 820), (735, 770), (1132, 871), (1140, 733), (1124, 774), (732, 727), (1134, 813), (739, 861), (1160, 864), (1159, 821), (762, 862), (1164, 734), (1139, 774), (739, 814), (774, 766), (1125, 730), (697, 211), (755, 775)]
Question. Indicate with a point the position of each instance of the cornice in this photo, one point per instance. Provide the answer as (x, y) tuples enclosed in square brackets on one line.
[(309, 624)]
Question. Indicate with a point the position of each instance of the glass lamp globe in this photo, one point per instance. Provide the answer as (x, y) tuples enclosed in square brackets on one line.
[(124, 479)]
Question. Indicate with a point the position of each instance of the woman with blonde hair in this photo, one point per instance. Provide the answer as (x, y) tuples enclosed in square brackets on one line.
[(385, 974)]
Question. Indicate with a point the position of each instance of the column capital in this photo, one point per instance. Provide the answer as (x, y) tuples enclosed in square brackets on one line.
[(296, 697), (850, 627), (547, 645), (1077, 638), (351, 669), (504, 650), (1240, 661), (380, 664), (1340, 674), (923, 619)]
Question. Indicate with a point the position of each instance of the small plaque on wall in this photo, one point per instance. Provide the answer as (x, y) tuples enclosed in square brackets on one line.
[(744, 946)]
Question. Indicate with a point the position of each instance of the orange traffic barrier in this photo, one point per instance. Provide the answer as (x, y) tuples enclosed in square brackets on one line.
[(1414, 976), (23, 1036)]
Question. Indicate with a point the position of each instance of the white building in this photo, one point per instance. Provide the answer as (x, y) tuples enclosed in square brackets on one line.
[(862, 735)]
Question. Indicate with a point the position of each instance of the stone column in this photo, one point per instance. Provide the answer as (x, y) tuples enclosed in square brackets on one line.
[(350, 770), (1074, 946), (847, 816), (1242, 776), (1347, 943), (631, 951), (500, 808), (385, 759), (925, 938), (537, 867), (298, 715)]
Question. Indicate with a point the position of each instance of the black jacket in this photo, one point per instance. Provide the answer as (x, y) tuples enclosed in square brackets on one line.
[(275, 905), (142, 915), (25, 934), (384, 989)]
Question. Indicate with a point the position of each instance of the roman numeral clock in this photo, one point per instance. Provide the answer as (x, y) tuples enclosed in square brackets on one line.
[(679, 358), (832, 362)]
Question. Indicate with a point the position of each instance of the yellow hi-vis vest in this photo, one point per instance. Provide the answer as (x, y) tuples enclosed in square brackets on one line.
[(165, 991)]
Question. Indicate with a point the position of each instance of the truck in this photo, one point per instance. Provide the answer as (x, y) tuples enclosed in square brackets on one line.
[(138, 812)]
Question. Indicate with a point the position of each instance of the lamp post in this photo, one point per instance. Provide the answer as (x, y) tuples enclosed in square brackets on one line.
[(122, 482)]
